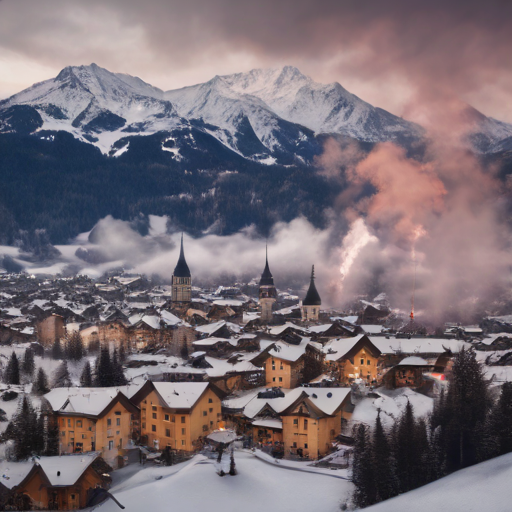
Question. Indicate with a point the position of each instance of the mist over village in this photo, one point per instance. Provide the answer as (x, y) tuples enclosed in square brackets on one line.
[(255, 256)]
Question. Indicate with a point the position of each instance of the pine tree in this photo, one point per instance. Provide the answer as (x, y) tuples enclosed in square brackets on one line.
[(75, 347), (51, 429), (362, 468), (41, 386), (503, 418), (117, 371), (62, 378), (86, 377), (26, 435), (467, 404), (104, 370), (12, 371), (384, 467), (28, 366), (57, 352), (405, 449)]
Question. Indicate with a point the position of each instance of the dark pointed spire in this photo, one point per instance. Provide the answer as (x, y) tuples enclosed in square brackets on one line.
[(266, 278), (181, 269), (312, 297)]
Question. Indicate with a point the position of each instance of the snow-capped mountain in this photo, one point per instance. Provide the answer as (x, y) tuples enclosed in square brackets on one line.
[(265, 115), (298, 99), (95, 105)]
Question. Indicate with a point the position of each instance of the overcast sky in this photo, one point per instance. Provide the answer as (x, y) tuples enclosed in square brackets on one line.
[(392, 53)]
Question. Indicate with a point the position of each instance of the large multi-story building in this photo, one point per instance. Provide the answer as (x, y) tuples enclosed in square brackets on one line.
[(267, 293)]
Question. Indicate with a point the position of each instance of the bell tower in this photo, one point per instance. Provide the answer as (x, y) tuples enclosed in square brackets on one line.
[(268, 292), (181, 280), (312, 302)]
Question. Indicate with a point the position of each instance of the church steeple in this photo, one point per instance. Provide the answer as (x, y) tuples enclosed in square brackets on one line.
[(312, 302), (268, 292), (266, 278), (181, 269), (181, 279)]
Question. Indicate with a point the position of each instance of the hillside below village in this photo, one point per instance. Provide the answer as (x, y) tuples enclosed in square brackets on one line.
[(119, 385)]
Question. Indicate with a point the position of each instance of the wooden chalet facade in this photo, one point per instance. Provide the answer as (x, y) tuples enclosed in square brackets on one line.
[(178, 414)]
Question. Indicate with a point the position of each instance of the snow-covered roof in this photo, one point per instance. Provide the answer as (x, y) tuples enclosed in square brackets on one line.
[(87, 401), (207, 342), (417, 345), (180, 395), (289, 352), (318, 329), (211, 328), (413, 361), (336, 349), (169, 318), (372, 329), (13, 473), (71, 467), (268, 423), (276, 331), (221, 367)]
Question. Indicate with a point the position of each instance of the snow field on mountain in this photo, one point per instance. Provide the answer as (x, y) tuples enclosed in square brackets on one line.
[(481, 488), (258, 486)]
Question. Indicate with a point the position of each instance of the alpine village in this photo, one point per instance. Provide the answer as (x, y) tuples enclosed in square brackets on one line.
[(101, 375)]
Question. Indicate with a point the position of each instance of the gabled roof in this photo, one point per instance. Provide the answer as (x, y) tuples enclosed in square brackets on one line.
[(66, 470), (181, 269), (320, 401), (89, 402), (346, 348), (176, 395), (312, 297)]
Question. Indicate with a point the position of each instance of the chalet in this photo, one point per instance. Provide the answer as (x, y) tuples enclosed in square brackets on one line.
[(325, 332), (352, 358), (284, 362), (55, 483), (94, 419), (306, 420), (313, 421), (178, 414), (408, 373)]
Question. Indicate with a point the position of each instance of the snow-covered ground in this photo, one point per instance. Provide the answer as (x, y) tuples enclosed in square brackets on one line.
[(257, 486), (481, 488)]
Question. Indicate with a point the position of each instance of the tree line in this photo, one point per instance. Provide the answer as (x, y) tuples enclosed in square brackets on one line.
[(466, 427)]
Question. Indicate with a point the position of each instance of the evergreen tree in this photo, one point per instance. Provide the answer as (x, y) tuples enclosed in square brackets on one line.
[(104, 371), (51, 429), (12, 371), (28, 366), (57, 352), (75, 346), (117, 370), (405, 449), (502, 419), (362, 468), (27, 438), (41, 386), (466, 407), (384, 467), (62, 378), (86, 377)]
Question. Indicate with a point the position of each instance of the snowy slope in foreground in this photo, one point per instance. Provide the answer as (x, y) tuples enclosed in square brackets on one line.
[(258, 486), (481, 488)]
